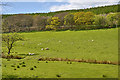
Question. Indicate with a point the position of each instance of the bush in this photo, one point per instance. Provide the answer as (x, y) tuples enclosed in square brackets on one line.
[(12, 65), (14, 69), (35, 66), (58, 75), (23, 65), (31, 68), (18, 66)]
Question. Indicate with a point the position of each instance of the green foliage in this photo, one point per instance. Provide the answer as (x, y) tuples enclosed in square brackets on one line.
[(54, 22), (112, 19), (79, 18), (18, 66), (63, 20), (23, 65), (100, 20), (49, 27), (95, 10), (10, 39), (69, 19), (31, 68), (89, 18), (83, 18)]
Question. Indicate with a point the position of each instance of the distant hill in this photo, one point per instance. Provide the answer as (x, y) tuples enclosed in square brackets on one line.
[(96, 10)]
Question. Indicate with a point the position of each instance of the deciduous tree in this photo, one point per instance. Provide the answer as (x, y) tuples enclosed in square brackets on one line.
[(10, 39)]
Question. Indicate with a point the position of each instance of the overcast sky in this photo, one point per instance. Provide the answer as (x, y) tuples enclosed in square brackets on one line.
[(43, 6)]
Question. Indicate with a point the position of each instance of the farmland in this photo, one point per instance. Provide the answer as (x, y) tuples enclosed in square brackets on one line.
[(87, 44)]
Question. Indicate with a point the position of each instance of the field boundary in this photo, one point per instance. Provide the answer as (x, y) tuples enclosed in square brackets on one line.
[(78, 60)]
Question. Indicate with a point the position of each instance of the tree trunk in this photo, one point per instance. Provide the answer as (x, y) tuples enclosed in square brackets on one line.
[(116, 25), (8, 51)]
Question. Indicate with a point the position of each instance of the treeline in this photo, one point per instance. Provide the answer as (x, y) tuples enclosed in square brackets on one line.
[(95, 10), (60, 21)]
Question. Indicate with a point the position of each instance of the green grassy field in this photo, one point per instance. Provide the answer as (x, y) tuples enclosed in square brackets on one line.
[(89, 44), (52, 69)]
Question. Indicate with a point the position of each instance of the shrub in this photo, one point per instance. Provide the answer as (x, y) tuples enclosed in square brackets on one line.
[(18, 66), (23, 62), (70, 62), (20, 63), (31, 68), (12, 65), (14, 69), (46, 61), (35, 66), (8, 59), (23, 65), (58, 75)]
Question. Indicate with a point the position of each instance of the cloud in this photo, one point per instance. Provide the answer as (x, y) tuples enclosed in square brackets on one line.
[(23, 0), (80, 4)]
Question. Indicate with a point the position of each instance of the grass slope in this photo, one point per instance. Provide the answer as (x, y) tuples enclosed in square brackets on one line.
[(71, 44), (52, 69), (88, 44)]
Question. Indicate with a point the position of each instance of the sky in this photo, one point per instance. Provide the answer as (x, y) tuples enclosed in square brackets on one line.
[(44, 6)]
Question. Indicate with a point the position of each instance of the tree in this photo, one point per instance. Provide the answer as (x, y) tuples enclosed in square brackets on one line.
[(84, 18), (112, 19), (61, 17), (100, 20), (69, 20), (40, 21), (16, 22), (53, 23), (10, 39), (89, 18), (79, 18)]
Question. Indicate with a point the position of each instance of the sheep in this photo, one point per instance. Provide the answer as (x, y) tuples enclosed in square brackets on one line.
[(47, 48), (42, 49), (31, 53)]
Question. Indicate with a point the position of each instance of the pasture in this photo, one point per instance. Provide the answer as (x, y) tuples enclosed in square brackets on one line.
[(88, 44)]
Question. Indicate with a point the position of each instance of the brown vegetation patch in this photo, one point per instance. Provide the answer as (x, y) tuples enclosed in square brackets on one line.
[(79, 60)]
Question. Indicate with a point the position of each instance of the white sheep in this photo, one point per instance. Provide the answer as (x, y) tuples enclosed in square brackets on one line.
[(42, 49), (31, 53)]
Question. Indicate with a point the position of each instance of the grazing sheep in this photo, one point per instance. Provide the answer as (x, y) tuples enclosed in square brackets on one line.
[(42, 49), (47, 48), (92, 40), (31, 53)]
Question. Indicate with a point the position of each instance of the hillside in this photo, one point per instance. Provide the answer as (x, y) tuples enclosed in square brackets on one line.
[(96, 10)]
